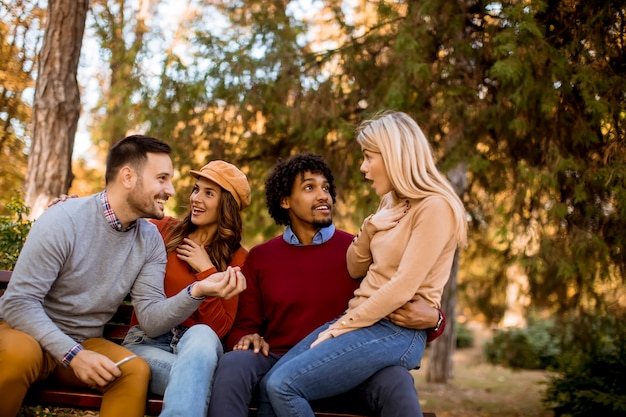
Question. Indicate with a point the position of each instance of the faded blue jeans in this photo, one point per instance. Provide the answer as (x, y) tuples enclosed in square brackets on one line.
[(336, 366), (182, 363)]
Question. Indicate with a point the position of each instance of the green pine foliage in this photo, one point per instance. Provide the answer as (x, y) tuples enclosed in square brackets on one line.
[(536, 346), (586, 355), (13, 231), (592, 373), (464, 336)]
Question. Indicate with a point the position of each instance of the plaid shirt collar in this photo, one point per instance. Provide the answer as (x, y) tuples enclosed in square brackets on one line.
[(109, 214)]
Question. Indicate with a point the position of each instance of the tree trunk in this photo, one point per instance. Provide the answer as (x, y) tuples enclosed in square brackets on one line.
[(57, 104), (440, 367), (517, 298)]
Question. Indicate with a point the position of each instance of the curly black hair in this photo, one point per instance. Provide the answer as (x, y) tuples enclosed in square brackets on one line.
[(280, 181)]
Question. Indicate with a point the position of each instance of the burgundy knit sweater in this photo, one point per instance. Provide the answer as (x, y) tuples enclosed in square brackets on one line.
[(292, 290)]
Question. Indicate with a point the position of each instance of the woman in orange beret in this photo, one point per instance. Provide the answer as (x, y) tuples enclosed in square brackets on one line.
[(205, 241)]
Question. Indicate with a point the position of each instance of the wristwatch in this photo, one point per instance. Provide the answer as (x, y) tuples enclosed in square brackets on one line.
[(439, 321)]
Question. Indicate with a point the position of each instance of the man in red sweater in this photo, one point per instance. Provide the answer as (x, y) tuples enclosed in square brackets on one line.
[(297, 282)]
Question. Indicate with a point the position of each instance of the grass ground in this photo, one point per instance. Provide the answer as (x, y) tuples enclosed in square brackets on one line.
[(478, 389)]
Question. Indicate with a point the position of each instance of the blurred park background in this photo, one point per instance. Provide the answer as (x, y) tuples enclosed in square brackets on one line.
[(523, 101)]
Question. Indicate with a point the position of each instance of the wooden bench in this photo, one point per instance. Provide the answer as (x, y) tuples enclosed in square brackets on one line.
[(72, 397)]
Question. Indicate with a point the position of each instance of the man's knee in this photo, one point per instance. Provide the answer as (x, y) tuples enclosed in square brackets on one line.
[(135, 376), (242, 368), (392, 376), (25, 358), (201, 339), (391, 385), (21, 356), (22, 362), (137, 368), (233, 366)]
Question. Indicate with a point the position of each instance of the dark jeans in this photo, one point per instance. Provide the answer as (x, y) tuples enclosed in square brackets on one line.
[(389, 393)]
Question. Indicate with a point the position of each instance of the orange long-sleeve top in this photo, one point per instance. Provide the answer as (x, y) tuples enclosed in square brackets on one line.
[(215, 312)]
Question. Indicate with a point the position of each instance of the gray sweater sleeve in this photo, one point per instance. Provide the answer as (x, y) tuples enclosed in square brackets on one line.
[(155, 313), (39, 263)]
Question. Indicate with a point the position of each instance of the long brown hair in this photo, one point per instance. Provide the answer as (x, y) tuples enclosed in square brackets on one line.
[(225, 242)]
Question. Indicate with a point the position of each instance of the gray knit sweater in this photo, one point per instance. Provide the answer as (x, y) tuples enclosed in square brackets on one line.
[(74, 270)]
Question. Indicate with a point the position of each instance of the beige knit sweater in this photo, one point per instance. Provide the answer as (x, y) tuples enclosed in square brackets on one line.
[(412, 258)]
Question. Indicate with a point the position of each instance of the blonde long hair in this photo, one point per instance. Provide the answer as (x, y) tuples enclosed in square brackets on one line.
[(409, 162)]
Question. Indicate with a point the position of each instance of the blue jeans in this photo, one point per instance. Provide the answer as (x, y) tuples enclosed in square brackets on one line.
[(182, 363), (336, 366)]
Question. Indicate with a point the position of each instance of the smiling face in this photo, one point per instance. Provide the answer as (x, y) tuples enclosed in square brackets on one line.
[(153, 187), (310, 204), (204, 202), (373, 167)]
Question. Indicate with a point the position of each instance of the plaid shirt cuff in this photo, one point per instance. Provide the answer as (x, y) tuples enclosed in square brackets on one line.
[(189, 293), (72, 352)]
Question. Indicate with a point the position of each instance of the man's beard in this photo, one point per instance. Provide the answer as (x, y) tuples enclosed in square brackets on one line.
[(142, 204), (323, 223)]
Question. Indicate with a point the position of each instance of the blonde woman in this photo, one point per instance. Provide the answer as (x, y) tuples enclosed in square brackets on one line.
[(404, 250)]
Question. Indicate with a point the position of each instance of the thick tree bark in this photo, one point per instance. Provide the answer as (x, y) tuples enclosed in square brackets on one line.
[(57, 104), (440, 367)]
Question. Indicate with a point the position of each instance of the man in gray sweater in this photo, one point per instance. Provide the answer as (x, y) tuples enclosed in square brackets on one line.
[(80, 260)]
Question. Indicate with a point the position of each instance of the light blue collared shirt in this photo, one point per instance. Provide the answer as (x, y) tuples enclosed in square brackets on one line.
[(323, 235)]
